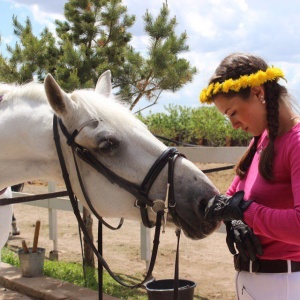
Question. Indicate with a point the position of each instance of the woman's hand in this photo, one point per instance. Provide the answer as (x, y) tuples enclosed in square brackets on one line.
[(225, 208), (240, 238)]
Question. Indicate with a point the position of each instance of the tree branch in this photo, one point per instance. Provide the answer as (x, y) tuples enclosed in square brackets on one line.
[(138, 111)]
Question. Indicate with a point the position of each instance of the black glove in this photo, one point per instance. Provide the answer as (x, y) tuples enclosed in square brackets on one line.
[(241, 238), (225, 208)]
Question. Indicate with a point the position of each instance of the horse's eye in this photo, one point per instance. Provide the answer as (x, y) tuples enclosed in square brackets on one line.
[(108, 145)]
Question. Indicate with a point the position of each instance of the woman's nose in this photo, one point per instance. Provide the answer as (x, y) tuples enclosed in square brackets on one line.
[(235, 124)]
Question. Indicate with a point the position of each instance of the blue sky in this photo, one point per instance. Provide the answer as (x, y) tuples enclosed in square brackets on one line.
[(269, 28)]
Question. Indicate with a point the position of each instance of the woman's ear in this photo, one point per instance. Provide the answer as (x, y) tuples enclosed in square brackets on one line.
[(258, 91)]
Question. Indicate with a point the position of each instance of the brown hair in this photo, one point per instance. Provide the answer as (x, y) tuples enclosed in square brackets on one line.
[(234, 66)]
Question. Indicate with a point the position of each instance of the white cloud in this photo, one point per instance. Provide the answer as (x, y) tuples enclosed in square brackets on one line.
[(7, 39), (202, 25), (48, 7), (44, 18), (140, 43)]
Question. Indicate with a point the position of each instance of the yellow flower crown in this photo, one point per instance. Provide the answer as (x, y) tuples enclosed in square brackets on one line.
[(244, 81)]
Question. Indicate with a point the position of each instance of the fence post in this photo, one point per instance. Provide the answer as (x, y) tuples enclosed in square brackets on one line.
[(52, 213), (145, 245)]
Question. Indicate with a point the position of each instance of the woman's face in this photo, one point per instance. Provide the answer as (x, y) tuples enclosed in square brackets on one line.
[(248, 114)]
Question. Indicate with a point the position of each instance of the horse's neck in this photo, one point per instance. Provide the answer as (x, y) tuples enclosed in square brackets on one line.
[(27, 146)]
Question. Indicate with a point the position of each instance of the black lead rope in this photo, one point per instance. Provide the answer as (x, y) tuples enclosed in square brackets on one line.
[(76, 211), (100, 266), (218, 169), (176, 273), (6, 201)]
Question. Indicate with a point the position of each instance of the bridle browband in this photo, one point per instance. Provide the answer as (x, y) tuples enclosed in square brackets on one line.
[(141, 192)]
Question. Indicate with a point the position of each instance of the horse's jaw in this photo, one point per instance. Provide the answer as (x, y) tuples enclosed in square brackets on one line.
[(206, 228)]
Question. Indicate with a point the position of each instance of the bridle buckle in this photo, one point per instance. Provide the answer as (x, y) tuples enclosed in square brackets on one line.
[(158, 205), (136, 203)]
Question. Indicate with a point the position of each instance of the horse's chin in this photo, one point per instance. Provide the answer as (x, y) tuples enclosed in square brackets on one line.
[(205, 228)]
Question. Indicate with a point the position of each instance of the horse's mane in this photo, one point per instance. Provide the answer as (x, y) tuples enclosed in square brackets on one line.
[(111, 110), (32, 90)]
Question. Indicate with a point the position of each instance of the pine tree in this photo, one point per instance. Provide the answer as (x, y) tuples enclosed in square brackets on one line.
[(94, 38), (163, 70), (32, 56)]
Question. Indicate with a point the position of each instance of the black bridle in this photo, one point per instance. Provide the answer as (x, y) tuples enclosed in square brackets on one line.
[(141, 192)]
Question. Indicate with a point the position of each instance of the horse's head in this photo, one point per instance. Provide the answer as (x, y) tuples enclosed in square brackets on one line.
[(123, 145)]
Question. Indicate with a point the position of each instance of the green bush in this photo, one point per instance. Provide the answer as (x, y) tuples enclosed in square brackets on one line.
[(200, 126)]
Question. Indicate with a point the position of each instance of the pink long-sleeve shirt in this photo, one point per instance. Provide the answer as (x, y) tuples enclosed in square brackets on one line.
[(275, 214)]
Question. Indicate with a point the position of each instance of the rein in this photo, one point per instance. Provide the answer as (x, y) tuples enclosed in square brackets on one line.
[(23, 199), (3, 191)]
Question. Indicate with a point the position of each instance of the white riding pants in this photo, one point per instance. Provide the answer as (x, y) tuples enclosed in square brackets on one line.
[(264, 286)]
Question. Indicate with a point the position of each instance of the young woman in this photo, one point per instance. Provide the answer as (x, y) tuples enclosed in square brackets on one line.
[(265, 194)]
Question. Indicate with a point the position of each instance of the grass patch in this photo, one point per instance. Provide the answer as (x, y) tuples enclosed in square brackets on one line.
[(73, 273)]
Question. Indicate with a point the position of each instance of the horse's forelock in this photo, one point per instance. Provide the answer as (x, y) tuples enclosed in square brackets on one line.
[(108, 109)]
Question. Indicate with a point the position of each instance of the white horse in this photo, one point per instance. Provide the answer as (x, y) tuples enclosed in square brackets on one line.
[(111, 134)]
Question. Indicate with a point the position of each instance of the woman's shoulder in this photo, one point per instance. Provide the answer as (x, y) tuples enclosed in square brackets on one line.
[(294, 132), (291, 139)]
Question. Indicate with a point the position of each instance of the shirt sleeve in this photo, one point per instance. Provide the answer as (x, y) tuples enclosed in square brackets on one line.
[(280, 224), (233, 187)]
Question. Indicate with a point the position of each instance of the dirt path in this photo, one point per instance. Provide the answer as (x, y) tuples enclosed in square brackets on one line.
[(207, 262)]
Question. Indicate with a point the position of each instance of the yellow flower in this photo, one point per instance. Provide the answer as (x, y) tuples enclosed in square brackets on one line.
[(226, 85), (243, 81), (235, 85), (203, 97), (217, 87), (209, 89), (270, 73), (259, 78)]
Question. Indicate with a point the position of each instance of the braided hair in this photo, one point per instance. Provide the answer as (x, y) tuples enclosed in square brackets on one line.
[(234, 66)]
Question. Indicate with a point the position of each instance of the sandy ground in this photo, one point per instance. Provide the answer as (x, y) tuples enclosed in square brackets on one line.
[(206, 262)]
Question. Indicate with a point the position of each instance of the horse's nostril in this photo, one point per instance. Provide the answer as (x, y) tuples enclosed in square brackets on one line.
[(202, 205)]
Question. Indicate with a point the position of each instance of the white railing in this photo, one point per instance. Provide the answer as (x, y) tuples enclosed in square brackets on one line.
[(228, 155)]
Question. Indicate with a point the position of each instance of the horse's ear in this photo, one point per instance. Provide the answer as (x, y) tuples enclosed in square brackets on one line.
[(103, 85), (57, 98)]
